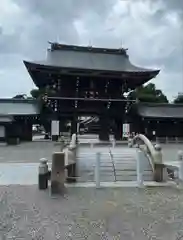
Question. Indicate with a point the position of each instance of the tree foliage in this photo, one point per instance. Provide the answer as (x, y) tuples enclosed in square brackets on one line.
[(39, 93), (148, 93), (35, 93), (179, 99), (20, 96)]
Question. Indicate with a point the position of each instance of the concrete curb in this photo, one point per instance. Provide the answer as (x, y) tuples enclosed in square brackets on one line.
[(102, 184), (121, 184)]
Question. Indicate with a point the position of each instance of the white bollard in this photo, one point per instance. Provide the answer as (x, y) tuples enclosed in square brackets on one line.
[(97, 170), (140, 156), (180, 159)]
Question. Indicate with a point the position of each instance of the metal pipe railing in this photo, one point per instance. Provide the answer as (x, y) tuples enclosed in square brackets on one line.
[(112, 161)]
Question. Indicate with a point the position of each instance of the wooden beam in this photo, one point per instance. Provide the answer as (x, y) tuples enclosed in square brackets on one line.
[(91, 99)]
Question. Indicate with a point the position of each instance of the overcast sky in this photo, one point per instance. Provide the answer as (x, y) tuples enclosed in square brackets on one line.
[(151, 30)]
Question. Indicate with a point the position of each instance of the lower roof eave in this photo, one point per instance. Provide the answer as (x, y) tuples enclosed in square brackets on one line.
[(33, 65), (141, 77), (5, 119)]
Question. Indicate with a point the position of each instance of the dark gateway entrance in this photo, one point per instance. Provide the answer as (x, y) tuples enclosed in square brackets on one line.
[(87, 81)]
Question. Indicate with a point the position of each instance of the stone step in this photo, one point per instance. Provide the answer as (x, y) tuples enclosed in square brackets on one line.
[(107, 159), (119, 171), (122, 169), (112, 179), (122, 164)]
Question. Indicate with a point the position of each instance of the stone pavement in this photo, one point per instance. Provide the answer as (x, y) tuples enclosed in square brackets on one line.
[(127, 213), (31, 152)]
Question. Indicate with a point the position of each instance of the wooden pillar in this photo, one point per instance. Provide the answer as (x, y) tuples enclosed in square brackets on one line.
[(158, 128), (28, 132), (23, 131), (74, 122), (47, 126), (181, 128), (2, 133), (118, 129), (136, 124), (164, 130), (62, 125), (176, 129), (104, 128)]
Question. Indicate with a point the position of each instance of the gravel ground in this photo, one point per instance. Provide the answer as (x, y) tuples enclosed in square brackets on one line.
[(87, 213)]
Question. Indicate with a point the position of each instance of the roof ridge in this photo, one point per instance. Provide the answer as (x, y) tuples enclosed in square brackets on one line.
[(58, 46)]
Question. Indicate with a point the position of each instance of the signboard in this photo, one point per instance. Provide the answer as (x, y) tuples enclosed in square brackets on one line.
[(126, 129), (55, 128)]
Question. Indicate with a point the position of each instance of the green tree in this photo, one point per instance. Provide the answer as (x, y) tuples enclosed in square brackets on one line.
[(45, 109), (148, 93), (39, 93), (35, 93), (20, 96), (179, 99)]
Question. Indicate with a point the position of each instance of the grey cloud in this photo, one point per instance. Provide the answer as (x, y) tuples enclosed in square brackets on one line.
[(174, 5), (35, 23), (10, 43), (42, 20), (53, 20), (66, 10)]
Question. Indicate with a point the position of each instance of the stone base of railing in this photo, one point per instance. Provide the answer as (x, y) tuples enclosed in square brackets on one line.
[(71, 173), (159, 171)]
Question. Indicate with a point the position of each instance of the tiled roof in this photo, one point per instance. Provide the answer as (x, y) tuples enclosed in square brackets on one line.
[(11, 107), (160, 110), (91, 61)]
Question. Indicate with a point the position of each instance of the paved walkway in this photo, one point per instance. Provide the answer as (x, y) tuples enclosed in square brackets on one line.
[(33, 151), (154, 213)]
